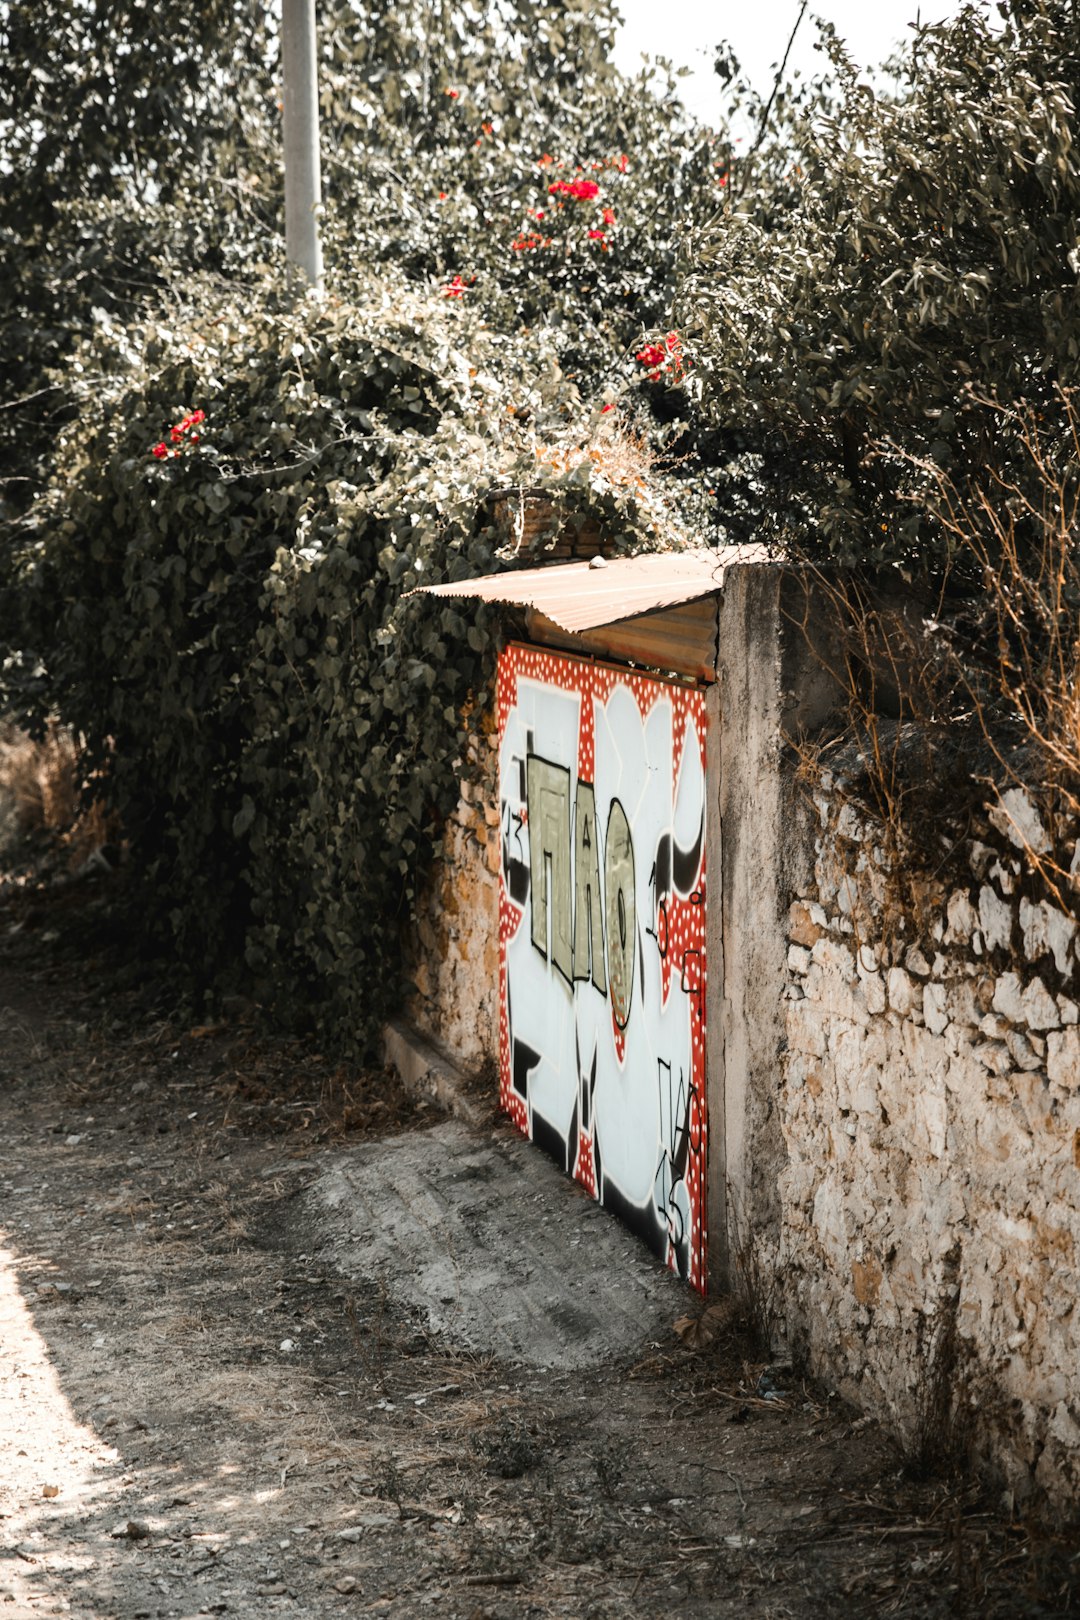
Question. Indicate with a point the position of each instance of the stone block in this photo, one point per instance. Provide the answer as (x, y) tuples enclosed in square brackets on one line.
[(866, 1277), (1039, 1007), (806, 1028), (994, 1026), (979, 857), (993, 1055), (904, 993), (1064, 1427), (835, 957), (1046, 929), (992, 1140), (961, 1003), (1025, 1052), (798, 959), (802, 928), (1061, 934), (848, 824), (963, 919), (1004, 875), (1033, 1095), (932, 1118), (935, 1002), (873, 987), (1017, 818), (995, 919), (1063, 1057), (1007, 998)]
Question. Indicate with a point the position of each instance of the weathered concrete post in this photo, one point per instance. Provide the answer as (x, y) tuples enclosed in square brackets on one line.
[(303, 184)]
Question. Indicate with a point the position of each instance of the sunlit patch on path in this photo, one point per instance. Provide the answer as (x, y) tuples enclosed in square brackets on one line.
[(52, 1467)]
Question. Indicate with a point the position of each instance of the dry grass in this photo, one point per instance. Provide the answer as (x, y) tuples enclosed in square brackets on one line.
[(42, 784), (949, 702), (40, 778), (615, 462), (1020, 534), (616, 454)]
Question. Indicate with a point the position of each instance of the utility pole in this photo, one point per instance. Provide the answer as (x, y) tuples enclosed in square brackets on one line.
[(303, 184)]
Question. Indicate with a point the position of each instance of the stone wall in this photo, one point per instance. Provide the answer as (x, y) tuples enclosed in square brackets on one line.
[(929, 1239), (454, 948)]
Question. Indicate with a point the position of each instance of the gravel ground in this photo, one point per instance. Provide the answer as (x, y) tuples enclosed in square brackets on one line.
[(203, 1411)]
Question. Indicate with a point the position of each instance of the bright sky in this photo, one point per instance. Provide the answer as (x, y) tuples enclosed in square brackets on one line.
[(686, 31)]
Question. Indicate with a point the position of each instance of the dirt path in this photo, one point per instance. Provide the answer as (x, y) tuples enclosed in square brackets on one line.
[(201, 1415)]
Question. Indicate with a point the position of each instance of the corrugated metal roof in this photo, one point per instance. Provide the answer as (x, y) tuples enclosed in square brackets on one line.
[(585, 595)]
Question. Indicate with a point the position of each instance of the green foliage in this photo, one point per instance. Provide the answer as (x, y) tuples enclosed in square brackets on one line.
[(223, 609), (224, 625), (886, 261), (223, 613), (137, 142)]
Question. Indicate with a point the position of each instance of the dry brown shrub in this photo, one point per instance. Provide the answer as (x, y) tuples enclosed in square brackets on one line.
[(951, 700), (42, 783), (40, 777)]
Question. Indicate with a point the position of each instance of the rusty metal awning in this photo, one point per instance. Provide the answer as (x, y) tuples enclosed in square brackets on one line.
[(581, 596)]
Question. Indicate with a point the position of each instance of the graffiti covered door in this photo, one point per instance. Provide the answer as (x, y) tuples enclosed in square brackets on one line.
[(602, 936)]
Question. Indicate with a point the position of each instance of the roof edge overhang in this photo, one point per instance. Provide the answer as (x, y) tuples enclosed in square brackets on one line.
[(581, 596)]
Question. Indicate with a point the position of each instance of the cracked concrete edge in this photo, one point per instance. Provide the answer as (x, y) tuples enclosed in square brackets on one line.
[(426, 1070)]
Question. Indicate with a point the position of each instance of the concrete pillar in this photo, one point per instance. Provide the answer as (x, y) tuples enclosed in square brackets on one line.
[(303, 184)]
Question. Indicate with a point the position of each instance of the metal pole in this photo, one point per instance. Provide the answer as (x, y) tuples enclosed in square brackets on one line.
[(303, 185)]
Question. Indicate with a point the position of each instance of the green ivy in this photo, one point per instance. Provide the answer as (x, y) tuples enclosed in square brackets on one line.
[(225, 615)]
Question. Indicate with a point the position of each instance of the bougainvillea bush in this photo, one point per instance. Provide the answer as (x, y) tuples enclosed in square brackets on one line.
[(246, 483)]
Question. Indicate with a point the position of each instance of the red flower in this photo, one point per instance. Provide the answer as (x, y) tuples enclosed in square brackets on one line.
[(442, 196), (609, 216), (596, 236), (666, 356), (453, 94), (454, 288), (545, 162), (488, 129), (583, 190), (604, 408), (160, 451)]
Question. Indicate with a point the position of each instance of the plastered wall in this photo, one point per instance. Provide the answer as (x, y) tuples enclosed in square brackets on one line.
[(929, 1209)]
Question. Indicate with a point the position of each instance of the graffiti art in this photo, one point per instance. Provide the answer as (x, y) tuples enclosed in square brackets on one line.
[(602, 936)]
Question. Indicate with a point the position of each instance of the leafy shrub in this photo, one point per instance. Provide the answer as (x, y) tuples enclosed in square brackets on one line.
[(886, 261), (218, 601), (220, 569)]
